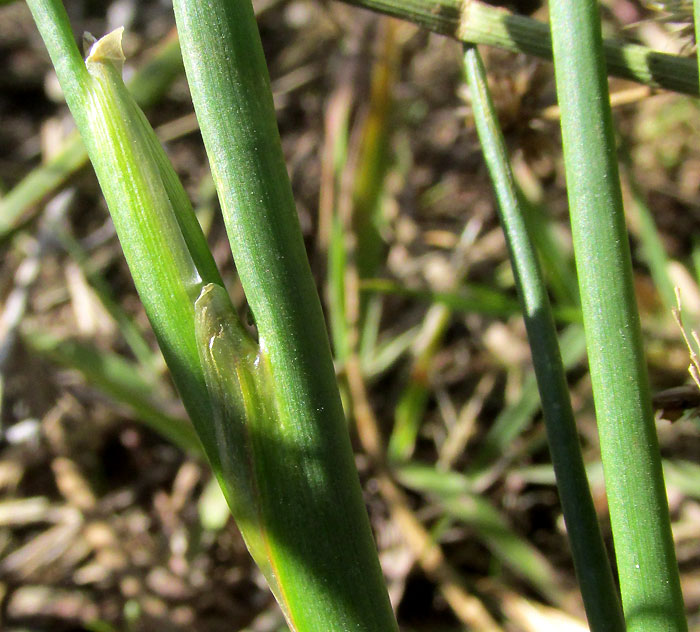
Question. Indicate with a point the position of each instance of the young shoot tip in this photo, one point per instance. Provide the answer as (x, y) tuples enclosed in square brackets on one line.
[(106, 49)]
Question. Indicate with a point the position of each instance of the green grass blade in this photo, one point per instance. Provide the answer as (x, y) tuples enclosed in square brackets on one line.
[(681, 475), (413, 401), (119, 379), (331, 228), (142, 351), (39, 183), (327, 561), (470, 298), (454, 495), (387, 352), (590, 558), (161, 238), (646, 562)]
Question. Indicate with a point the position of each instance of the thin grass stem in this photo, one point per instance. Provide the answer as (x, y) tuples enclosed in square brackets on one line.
[(590, 559)]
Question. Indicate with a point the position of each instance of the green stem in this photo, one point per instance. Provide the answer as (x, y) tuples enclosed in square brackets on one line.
[(590, 559), (647, 568), (163, 244), (474, 22), (317, 528), (52, 21)]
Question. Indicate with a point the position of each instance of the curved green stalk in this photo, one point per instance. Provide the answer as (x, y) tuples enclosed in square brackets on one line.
[(474, 22), (646, 562), (590, 559), (316, 524)]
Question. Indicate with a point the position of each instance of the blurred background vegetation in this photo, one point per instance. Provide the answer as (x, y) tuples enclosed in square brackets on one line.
[(108, 517)]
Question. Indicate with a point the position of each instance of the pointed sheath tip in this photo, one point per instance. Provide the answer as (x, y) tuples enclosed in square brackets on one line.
[(107, 48)]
